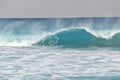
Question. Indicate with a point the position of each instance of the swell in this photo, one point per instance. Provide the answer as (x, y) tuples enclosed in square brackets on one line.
[(79, 38), (69, 32)]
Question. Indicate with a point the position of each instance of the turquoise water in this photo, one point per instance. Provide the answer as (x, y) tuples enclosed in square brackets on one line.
[(60, 49), (76, 38)]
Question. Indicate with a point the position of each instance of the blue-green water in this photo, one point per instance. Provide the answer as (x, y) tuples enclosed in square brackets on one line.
[(60, 49), (79, 38)]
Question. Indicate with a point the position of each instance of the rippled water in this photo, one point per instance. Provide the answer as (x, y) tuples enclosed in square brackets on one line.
[(52, 63)]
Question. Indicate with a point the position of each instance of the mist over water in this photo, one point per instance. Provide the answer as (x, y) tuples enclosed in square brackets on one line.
[(60, 49), (26, 32)]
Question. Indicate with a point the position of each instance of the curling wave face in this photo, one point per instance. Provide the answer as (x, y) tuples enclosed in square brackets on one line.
[(66, 32), (79, 38)]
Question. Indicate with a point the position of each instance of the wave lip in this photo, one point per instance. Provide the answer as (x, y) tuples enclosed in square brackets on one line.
[(78, 38)]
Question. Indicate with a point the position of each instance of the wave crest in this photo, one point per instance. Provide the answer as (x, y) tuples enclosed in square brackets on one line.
[(79, 38)]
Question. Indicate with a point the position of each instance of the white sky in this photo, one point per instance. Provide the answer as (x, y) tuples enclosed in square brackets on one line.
[(58, 8)]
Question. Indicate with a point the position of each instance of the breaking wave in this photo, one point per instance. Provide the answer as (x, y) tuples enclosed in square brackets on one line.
[(79, 38), (66, 32)]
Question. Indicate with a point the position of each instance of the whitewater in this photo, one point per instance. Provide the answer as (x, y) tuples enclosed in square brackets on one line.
[(60, 48)]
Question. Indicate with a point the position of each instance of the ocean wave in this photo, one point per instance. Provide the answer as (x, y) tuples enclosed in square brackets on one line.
[(70, 32), (79, 38)]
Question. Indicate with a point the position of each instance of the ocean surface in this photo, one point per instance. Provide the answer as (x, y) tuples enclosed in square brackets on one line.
[(60, 48)]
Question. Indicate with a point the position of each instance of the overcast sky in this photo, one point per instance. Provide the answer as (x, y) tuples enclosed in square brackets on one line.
[(58, 8)]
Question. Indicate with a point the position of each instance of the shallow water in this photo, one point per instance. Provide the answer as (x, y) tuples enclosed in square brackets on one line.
[(54, 63), (60, 48)]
